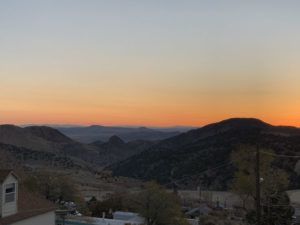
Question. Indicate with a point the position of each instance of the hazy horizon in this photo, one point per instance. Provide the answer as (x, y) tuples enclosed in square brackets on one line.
[(155, 63), (136, 126)]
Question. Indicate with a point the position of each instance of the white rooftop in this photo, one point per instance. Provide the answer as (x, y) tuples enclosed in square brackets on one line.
[(128, 216), (99, 221)]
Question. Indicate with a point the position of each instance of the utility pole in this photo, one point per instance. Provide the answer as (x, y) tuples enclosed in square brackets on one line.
[(258, 205), (199, 192)]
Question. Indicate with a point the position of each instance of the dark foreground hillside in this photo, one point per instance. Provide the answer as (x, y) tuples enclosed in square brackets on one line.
[(202, 156)]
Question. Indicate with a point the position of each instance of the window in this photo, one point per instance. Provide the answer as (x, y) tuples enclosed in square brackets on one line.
[(10, 192)]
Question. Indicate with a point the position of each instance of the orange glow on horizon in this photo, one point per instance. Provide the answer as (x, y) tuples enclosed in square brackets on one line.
[(189, 64), (150, 119)]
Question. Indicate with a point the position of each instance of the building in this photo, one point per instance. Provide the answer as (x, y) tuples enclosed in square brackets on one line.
[(9, 193), (294, 197), (133, 218), (119, 218), (20, 207), (84, 220)]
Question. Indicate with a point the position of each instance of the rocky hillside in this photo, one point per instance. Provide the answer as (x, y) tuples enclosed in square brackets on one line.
[(14, 157), (47, 140), (202, 156)]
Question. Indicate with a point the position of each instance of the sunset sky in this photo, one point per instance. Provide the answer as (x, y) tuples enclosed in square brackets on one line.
[(152, 63)]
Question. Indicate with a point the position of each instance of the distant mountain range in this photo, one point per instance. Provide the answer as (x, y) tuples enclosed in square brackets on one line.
[(187, 159), (103, 133), (190, 159), (41, 146)]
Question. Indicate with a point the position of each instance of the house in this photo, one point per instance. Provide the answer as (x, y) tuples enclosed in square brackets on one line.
[(20, 207), (9, 193)]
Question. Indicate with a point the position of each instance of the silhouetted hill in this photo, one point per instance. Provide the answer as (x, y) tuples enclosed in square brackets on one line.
[(102, 133), (38, 138), (190, 158), (115, 140), (48, 134), (116, 150), (37, 144), (47, 140)]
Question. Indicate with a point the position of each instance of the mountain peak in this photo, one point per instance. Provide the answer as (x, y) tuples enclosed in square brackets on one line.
[(48, 133), (245, 121), (239, 123), (116, 140), (9, 126), (95, 126)]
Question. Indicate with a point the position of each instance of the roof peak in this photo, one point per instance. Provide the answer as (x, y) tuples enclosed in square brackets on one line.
[(4, 174)]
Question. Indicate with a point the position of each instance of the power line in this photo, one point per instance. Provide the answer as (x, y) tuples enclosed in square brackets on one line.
[(217, 167), (280, 155), (266, 205), (204, 171)]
